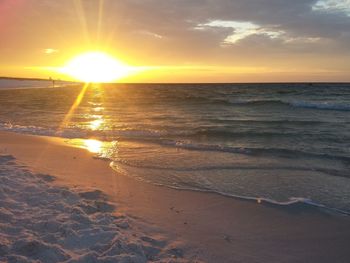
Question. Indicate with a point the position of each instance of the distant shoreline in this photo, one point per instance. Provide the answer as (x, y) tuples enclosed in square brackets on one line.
[(25, 79)]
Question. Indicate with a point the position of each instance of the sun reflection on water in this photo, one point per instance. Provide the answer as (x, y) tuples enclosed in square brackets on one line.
[(96, 124), (101, 149), (98, 109), (93, 146)]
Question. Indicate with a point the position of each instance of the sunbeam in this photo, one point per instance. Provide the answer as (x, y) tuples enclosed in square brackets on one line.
[(82, 19), (100, 19), (71, 111)]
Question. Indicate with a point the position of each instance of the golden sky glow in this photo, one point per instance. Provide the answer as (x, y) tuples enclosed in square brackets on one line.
[(176, 41)]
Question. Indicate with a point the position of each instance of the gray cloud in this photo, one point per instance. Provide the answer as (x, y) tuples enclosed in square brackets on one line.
[(174, 18)]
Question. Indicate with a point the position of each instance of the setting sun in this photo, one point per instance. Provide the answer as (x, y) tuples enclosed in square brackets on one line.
[(96, 67)]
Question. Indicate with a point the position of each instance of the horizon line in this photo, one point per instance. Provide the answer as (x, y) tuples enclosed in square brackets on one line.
[(183, 83)]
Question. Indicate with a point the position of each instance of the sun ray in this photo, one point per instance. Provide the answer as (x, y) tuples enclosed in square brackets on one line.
[(100, 19), (82, 19), (71, 111)]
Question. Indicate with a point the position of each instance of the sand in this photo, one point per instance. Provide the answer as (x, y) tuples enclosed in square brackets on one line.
[(42, 222), (183, 225)]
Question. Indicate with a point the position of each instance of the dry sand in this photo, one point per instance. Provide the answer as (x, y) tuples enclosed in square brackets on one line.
[(197, 225), (42, 222)]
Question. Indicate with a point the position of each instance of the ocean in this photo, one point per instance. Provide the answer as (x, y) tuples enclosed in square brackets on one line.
[(282, 143)]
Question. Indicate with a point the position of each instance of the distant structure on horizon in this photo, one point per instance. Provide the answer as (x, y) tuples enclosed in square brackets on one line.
[(53, 82)]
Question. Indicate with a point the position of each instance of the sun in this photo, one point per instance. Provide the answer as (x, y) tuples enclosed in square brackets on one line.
[(96, 67)]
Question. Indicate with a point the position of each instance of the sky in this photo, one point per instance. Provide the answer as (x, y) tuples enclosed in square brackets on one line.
[(181, 40)]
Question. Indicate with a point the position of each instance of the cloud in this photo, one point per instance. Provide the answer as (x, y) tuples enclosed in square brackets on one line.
[(241, 30), (149, 34), (50, 51), (339, 6)]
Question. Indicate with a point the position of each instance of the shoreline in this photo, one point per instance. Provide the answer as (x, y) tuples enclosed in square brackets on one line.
[(217, 228), (71, 141), (294, 201)]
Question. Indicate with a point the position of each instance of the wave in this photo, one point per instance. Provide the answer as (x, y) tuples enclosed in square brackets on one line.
[(228, 134), (221, 100), (165, 132), (164, 138), (77, 132), (276, 121), (30, 129), (294, 103), (320, 105), (292, 201), (43, 131), (139, 134), (123, 162), (279, 152)]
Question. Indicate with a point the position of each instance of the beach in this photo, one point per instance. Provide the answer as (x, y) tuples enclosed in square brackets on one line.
[(184, 225), (174, 131)]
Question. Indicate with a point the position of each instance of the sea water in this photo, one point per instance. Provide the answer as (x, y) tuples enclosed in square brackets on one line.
[(283, 143)]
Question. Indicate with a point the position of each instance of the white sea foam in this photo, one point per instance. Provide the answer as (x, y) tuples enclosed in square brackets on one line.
[(320, 105)]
